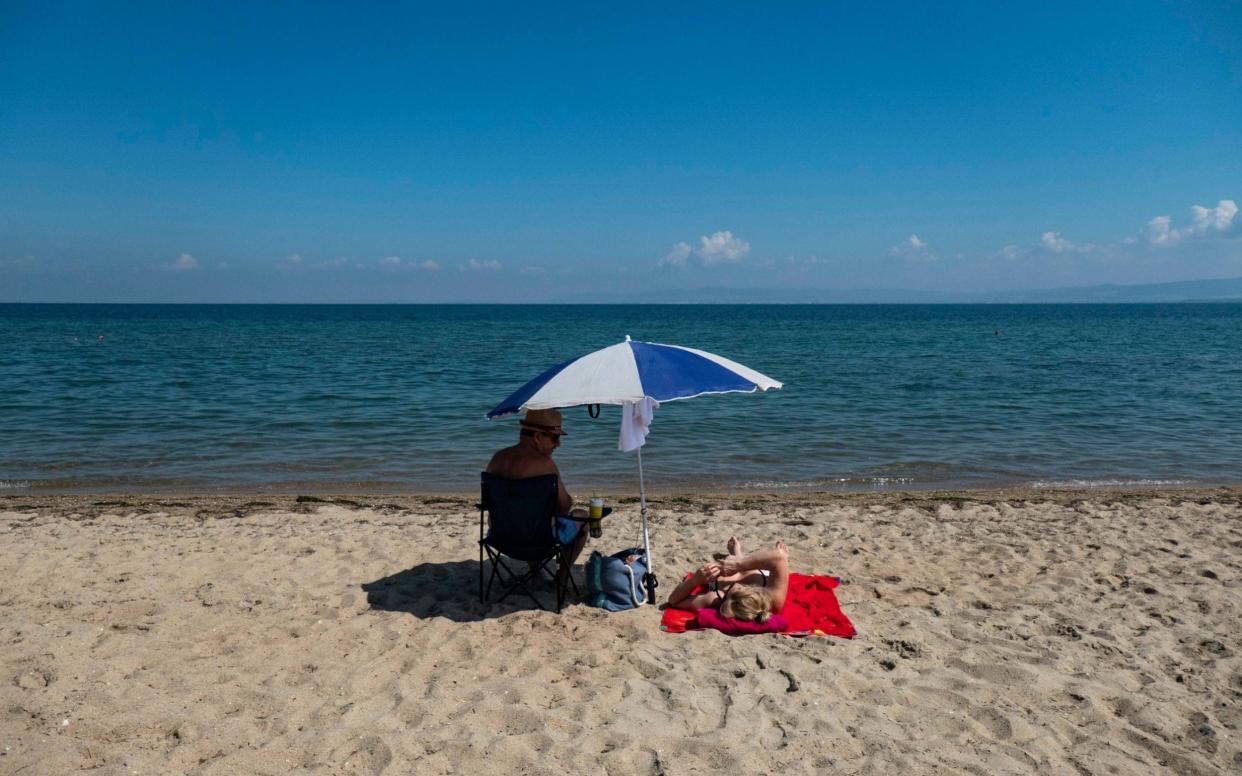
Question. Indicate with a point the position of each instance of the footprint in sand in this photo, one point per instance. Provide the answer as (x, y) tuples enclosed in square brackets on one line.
[(992, 672), (996, 723), (1067, 630), (365, 755), (1199, 733), (904, 649), (34, 679)]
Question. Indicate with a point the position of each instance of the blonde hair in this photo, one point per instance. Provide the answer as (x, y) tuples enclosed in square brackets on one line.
[(745, 602)]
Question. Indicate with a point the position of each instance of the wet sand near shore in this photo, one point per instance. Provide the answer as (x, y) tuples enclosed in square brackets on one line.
[(1006, 631)]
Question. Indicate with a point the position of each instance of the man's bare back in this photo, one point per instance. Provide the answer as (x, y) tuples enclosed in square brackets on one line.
[(532, 455), (518, 463)]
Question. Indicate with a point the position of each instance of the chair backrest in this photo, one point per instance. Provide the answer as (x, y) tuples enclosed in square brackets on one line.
[(520, 513)]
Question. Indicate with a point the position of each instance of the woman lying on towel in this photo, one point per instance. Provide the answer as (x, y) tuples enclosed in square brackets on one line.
[(743, 587)]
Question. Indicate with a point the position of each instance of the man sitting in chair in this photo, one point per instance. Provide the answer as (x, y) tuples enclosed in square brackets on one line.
[(532, 457)]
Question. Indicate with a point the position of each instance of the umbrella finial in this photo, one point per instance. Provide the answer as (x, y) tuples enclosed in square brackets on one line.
[(627, 338)]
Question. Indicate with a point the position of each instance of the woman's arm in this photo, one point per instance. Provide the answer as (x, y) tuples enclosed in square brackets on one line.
[(682, 598)]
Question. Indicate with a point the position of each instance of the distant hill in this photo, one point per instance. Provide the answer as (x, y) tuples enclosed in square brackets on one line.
[(1213, 290)]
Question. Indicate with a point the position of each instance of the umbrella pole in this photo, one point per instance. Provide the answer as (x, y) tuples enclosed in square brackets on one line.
[(649, 579)]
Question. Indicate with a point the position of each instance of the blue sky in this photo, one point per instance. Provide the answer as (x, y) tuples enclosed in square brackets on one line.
[(522, 152)]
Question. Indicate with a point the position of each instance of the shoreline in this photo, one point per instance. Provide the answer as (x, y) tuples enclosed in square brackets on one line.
[(259, 500), (619, 483)]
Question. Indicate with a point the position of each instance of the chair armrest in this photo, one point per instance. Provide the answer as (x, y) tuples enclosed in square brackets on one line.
[(576, 519)]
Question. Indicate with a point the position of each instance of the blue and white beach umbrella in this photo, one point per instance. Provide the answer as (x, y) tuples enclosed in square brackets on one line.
[(630, 372), (635, 374)]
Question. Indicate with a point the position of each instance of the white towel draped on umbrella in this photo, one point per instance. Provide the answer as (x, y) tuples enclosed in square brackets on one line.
[(636, 420)]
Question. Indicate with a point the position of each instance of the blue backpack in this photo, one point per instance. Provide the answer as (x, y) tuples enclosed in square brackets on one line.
[(613, 584)]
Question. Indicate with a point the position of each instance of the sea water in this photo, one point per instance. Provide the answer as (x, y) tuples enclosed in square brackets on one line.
[(392, 398)]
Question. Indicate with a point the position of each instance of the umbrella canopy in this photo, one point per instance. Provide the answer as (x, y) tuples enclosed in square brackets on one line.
[(629, 372)]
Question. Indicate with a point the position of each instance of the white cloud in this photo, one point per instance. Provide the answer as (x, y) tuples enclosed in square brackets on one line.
[(1053, 242), (1010, 253), (531, 269), (336, 263), (289, 262), (184, 263), (795, 261), (721, 247), (1158, 231), (677, 255), (1217, 219), (716, 248), (474, 265), (913, 247), (1204, 221), (396, 262), (1049, 242)]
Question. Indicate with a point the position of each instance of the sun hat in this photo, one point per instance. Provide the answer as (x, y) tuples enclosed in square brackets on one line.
[(547, 421)]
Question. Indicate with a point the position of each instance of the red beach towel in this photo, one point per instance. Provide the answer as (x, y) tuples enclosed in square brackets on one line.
[(811, 609)]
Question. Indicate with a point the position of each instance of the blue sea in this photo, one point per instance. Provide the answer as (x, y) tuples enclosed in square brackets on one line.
[(386, 398)]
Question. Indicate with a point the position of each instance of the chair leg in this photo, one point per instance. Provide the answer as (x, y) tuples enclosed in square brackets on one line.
[(562, 584), (569, 571), (565, 564), (497, 565), (522, 583), (514, 581), (496, 574)]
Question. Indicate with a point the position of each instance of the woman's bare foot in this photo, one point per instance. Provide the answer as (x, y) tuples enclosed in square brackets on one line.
[(780, 545), (734, 547)]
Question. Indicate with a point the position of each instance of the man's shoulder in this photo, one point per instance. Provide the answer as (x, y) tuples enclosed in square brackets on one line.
[(516, 463), (501, 455), (532, 466)]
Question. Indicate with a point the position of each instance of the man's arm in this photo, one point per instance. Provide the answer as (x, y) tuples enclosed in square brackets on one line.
[(564, 502)]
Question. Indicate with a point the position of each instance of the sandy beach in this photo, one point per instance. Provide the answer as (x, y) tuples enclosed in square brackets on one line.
[(1002, 632)]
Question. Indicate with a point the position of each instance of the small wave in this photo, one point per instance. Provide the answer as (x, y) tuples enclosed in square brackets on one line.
[(14, 484), (826, 483), (1112, 483)]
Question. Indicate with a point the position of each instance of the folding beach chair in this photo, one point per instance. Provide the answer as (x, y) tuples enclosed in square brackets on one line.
[(515, 524)]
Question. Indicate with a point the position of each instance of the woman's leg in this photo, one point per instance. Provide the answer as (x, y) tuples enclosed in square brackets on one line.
[(733, 549), (775, 561)]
